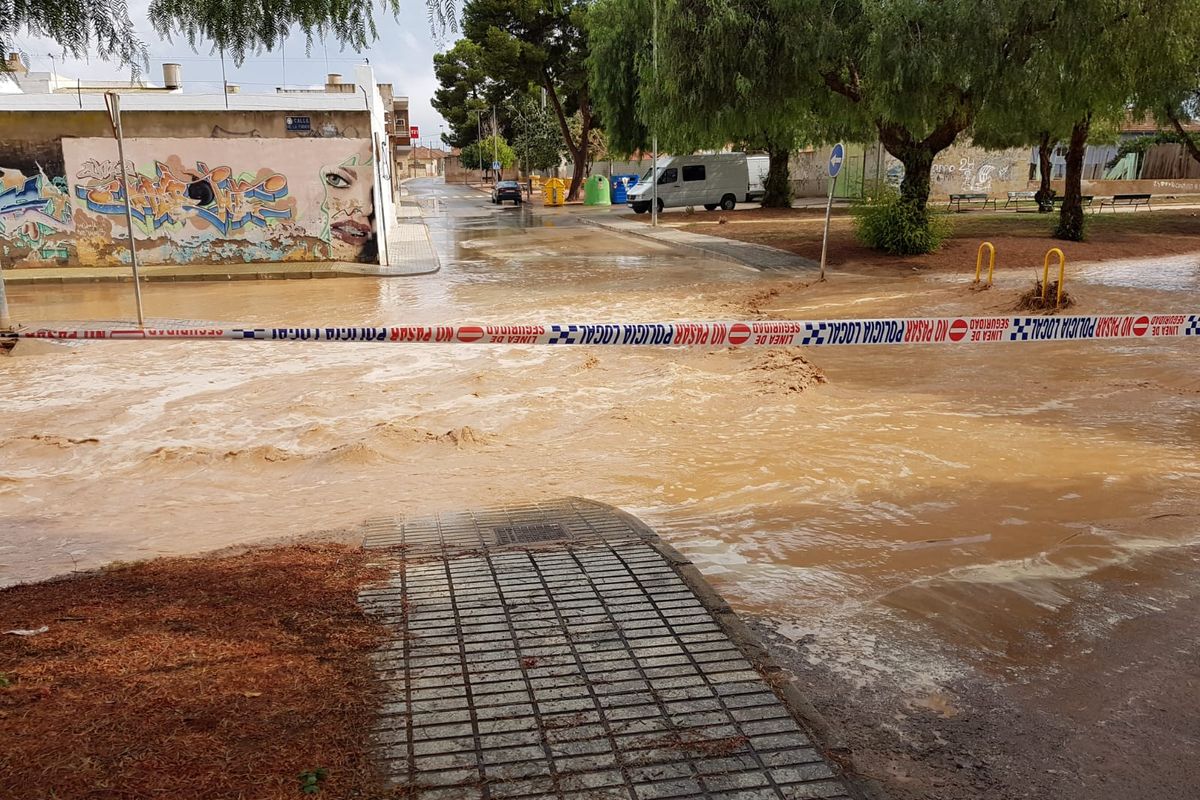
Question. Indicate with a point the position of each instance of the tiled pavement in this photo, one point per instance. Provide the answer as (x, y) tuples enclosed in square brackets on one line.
[(555, 652)]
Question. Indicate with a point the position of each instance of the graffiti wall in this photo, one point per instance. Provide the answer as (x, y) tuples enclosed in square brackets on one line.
[(961, 168), (193, 201), (35, 214), (966, 169)]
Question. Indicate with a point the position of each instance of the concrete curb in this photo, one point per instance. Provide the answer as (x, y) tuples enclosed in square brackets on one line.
[(14, 278), (787, 689)]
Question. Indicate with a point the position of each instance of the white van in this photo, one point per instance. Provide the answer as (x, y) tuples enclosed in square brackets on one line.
[(758, 167), (712, 180)]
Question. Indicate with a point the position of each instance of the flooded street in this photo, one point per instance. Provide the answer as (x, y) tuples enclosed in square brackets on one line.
[(962, 493)]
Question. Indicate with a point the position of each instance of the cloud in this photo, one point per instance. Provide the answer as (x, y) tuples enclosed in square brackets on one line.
[(402, 56)]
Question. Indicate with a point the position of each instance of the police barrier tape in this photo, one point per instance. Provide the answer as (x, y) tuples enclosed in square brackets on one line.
[(966, 330)]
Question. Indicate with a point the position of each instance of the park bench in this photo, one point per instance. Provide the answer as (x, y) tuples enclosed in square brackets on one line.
[(1016, 198), (1134, 200), (956, 200), (1085, 200)]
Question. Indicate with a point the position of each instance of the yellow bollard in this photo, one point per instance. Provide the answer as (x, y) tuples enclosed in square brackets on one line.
[(1062, 274), (991, 262)]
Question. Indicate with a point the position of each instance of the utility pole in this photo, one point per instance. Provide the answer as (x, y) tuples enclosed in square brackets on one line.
[(495, 140), (654, 127), (113, 101), (224, 80), (5, 319)]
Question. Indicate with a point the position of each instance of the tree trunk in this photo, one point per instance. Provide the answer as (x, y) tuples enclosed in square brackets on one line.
[(917, 154), (1070, 219), (579, 175), (917, 158), (777, 191), (918, 166), (1045, 195), (578, 152)]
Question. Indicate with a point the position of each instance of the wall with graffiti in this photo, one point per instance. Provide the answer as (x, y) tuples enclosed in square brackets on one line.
[(961, 168), (966, 169), (193, 201)]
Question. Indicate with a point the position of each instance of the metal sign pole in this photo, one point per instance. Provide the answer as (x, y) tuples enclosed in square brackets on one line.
[(836, 157), (825, 235), (113, 100)]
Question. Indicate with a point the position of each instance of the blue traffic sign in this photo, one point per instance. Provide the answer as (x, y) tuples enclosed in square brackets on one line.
[(836, 158), (495, 165)]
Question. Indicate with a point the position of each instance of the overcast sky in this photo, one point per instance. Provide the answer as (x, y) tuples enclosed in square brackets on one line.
[(403, 56)]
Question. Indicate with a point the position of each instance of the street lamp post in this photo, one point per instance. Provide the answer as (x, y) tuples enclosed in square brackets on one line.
[(441, 141), (479, 139), (495, 140)]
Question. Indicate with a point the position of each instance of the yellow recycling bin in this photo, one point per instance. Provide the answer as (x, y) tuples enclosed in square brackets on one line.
[(554, 192)]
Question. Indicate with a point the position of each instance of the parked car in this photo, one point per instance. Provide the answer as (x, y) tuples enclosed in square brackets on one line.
[(506, 190), (709, 180)]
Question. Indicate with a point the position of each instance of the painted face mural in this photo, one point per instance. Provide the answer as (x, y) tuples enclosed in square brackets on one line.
[(350, 210)]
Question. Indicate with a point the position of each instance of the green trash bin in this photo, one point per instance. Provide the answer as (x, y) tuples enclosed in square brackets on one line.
[(595, 191)]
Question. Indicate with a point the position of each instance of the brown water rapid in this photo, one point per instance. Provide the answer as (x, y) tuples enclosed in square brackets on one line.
[(958, 486)]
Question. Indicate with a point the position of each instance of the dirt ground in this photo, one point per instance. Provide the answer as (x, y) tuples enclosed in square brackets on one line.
[(221, 677), (1111, 718), (1021, 239)]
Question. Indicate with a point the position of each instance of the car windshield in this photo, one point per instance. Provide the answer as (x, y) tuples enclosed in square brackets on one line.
[(506, 185)]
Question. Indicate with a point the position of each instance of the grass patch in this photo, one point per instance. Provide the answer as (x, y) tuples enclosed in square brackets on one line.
[(1021, 239)]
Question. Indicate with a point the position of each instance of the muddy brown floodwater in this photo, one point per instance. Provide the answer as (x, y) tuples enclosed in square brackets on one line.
[(920, 495)]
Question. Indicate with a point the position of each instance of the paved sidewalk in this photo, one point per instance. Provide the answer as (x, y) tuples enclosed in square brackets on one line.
[(760, 257), (204, 272), (410, 250), (563, 651)]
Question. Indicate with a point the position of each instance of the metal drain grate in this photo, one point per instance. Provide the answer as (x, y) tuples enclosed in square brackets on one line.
[(523, 534)]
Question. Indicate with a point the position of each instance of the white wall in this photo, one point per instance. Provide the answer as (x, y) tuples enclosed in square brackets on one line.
[(385, 204)]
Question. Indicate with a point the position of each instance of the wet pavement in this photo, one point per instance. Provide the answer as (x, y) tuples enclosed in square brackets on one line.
[(558, 651), (910, 520), (755, 256)]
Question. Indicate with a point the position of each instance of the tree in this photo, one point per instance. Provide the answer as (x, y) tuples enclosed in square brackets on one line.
[(235, 28), (918, 72), (1168, 72), (464, 91), (716, 62), (1087, 75), (77, 25), (537, 140), (597, 141), (485, 151), (542, 42)]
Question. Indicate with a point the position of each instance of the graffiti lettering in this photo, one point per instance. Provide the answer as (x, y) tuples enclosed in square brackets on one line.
[(35, 193), (216, 196)]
